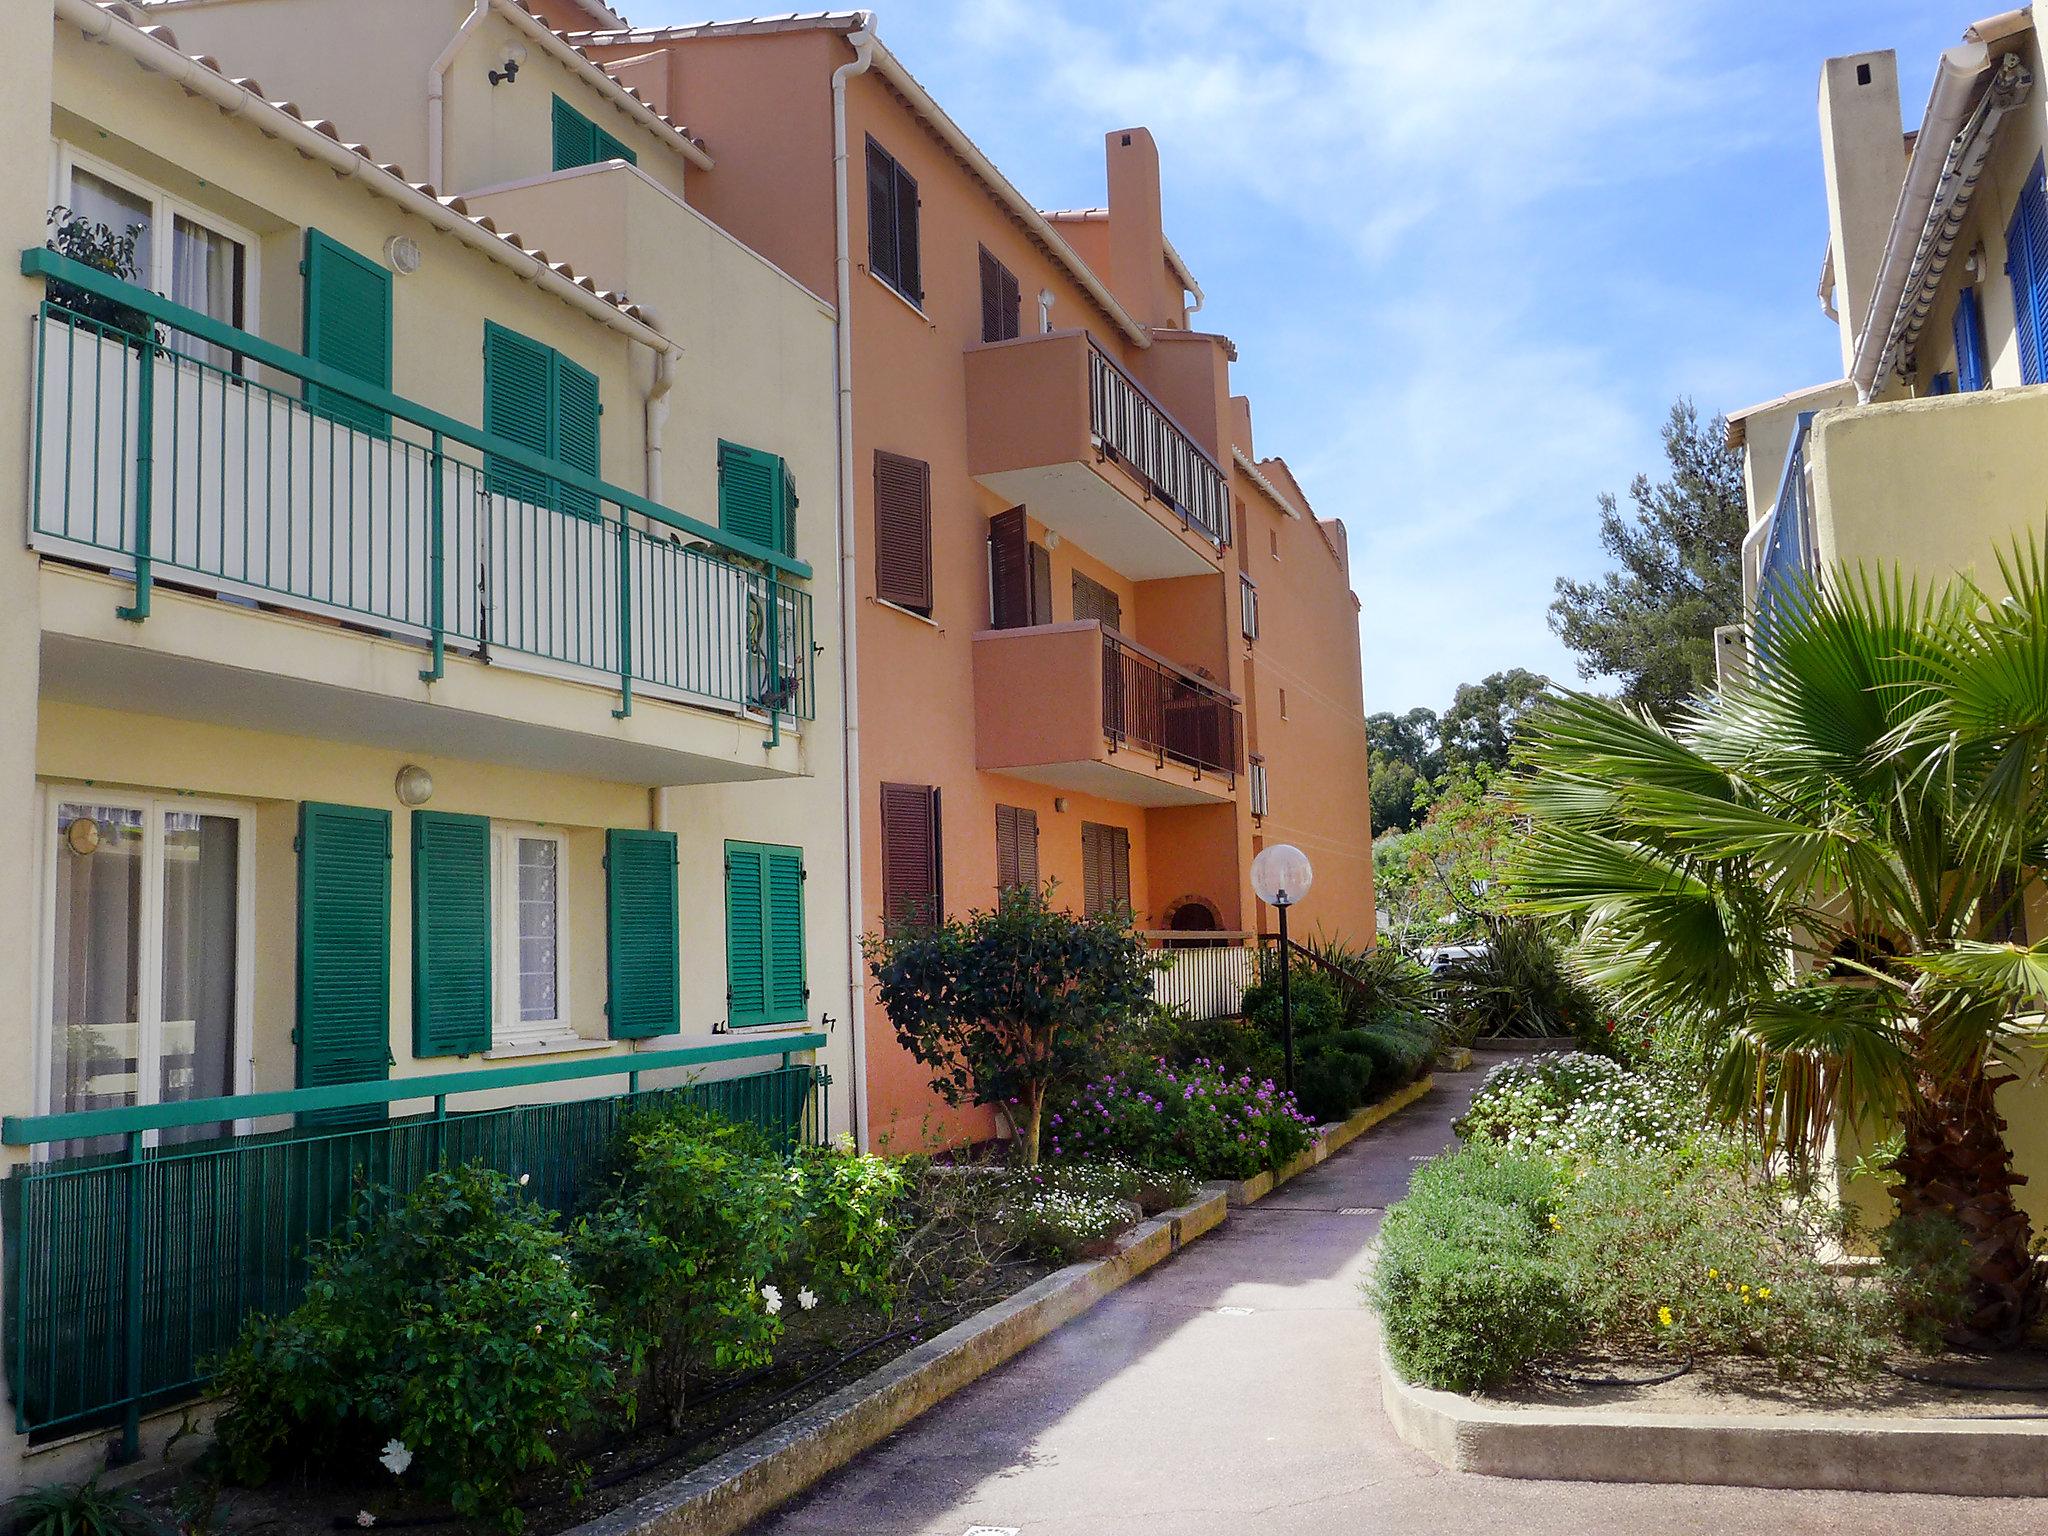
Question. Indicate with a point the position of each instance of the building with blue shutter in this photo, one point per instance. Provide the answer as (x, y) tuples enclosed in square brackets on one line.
[(1930, 452), (421, 731)]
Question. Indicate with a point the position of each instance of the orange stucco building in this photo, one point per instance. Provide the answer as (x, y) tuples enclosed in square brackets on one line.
[(1096, 639)]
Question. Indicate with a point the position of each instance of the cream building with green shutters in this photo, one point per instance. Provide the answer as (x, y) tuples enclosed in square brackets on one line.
[(422, 727)]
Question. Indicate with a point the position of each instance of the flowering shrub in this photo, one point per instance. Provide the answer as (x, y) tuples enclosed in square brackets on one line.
[(449, 1329), (1570, 1104), (1193, 1118), (846, 1208)]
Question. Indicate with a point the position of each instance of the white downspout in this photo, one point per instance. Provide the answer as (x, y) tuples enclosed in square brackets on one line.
[(437, 105), (862, 39), (666, 361)]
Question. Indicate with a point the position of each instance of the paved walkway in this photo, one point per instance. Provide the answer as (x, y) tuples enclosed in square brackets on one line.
[(1234, 1391)]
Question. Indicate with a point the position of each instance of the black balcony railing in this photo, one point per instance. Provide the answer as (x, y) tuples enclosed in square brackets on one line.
[(1132, 428), (1149, 705)]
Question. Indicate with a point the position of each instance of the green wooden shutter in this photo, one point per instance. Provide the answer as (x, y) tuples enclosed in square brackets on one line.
[(609, 148), (344, 981), (519, 407), (752, 496), (764, 934), (347, 327), (451, 934), (746, 955), (644, 968), (575, 137), (788, 996), (576, 430)]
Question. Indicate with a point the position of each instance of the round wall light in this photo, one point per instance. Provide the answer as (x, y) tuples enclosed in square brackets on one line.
[(415, 786)]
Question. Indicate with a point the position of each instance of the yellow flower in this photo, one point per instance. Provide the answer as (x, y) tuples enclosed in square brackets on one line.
[(1764, 1293), (1713, 1274), (1727, 1285), (1746, 1297), (1745, 1290), (1664, 1316)]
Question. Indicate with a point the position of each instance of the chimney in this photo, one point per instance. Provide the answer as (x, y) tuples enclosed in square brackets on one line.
[(1137, 238), (1863, 156)]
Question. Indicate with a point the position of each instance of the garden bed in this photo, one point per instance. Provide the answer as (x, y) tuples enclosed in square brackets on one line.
[(1740, 1425)]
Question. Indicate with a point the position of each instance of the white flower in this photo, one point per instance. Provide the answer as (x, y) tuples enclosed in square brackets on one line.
[(523, 1179), (771, 1298), (365, 1519), (805, 1299), (396, 1458)]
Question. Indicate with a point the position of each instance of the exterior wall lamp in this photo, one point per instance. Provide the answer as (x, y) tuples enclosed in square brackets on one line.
[(514, 57), (414, 785)]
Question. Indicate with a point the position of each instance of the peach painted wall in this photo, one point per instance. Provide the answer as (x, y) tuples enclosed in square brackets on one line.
[(762, 104), (1316, 752)]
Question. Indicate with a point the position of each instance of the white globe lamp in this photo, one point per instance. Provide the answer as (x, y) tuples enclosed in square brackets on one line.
[(1281, 876)]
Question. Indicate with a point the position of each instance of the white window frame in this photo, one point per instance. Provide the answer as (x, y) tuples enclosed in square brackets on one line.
[(1248, 606), (150, 955), (510, 1034), (163, 211), (1261, 788)]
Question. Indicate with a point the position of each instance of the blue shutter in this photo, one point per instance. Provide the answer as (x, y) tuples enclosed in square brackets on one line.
[(517, 407), (2026, 260), (1969, 336), (576, 430)]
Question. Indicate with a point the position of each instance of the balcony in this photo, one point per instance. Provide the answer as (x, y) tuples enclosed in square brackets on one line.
[(1082, 707), (1055, 424), (222, 506)]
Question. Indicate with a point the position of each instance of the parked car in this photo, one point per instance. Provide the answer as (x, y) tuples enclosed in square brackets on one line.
[(1441, 957)]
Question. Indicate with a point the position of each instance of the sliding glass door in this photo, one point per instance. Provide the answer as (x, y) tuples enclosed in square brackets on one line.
[(146, 990)]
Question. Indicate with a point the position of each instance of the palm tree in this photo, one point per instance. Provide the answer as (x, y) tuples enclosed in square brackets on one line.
[(1820, 871)]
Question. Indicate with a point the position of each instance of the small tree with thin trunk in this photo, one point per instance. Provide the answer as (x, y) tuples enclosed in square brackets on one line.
[(1004, 1004)]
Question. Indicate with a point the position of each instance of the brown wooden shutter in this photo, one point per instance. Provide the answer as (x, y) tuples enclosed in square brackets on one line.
[(882, 214), (909, 276), (1105, 867), (1092, 600), (1016, 848), (910, 855), (1012, 305), (991, 298), (903, 531), (1041, 585), (1009, 570)]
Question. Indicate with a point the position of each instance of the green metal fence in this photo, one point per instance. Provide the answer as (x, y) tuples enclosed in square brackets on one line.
[(170, 456), (128, 1272)]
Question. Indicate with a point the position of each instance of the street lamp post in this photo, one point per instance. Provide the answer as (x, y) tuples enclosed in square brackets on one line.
[(1281, 876)]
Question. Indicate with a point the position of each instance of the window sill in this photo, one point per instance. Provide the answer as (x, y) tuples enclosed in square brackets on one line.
[(908, 613), (561, 1046), (899, 295)]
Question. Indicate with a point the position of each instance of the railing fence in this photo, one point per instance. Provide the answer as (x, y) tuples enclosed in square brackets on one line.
[(129, 1273), (1205, 975), (1124, 420), (1150, 705)]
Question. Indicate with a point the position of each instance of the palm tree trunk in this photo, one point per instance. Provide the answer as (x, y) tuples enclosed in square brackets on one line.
[(1956, 1164)]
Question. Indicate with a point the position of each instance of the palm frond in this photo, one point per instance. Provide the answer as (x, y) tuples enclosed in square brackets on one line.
[(1804, 1059)]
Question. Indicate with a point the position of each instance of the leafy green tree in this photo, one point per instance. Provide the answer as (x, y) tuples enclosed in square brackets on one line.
[(1442, 881), (1402, 755), (1651, 622), (1821, 875), (1004, 1005), (1478, 731)]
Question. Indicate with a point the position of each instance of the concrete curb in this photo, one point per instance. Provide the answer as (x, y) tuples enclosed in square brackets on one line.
[(724, 1495), (1809, 1451), (1330, 1139)]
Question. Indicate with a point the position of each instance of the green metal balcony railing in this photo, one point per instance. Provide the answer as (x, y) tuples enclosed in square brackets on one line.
[(128, 1272), (166, 456)]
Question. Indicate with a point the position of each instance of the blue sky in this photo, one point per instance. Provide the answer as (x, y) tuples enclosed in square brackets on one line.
[(1469, 251)]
